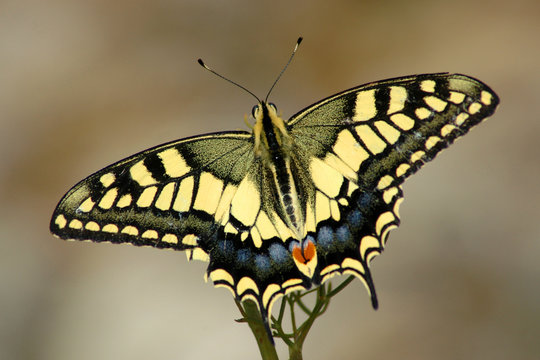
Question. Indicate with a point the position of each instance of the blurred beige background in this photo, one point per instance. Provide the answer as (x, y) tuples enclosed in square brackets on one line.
[(85, 83)]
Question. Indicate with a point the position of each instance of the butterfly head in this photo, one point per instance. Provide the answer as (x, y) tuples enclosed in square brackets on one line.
[(270, 133), (258, 110)]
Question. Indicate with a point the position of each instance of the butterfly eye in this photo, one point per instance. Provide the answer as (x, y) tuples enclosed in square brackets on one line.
[(272, 106), (254, 111)]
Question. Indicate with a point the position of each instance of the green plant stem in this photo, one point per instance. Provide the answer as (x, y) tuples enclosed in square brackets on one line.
[(295, 339), (251, 314)]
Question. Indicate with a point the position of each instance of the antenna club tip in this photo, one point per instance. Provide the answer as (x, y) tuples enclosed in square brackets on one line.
[(299, 40), (203, 64)]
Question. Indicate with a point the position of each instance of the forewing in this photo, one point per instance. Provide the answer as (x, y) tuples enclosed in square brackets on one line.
[(165, 197)]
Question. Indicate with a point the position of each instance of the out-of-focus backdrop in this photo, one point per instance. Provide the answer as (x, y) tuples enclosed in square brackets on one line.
[(86, 83)]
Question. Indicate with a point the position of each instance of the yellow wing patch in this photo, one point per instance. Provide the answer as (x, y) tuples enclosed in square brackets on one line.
[(246, 202), (208, 194)]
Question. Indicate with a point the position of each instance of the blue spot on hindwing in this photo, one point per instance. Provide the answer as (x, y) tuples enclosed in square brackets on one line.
[(355, 218), (364, 200), (343, 233), (325, 237), (243, 256), (278, 253), (226, 247), (262, 262)]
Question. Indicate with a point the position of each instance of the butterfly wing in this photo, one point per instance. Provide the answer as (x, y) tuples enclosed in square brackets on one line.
[(203, 195), (363, 143), (165, 197)]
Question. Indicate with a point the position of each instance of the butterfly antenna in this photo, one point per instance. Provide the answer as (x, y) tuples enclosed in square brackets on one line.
[(284, 68), (229, 80)]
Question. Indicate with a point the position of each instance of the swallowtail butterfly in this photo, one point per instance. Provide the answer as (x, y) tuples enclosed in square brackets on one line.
[(290, 204)]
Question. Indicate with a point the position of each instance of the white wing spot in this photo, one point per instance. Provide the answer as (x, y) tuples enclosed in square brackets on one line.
[(456, 97), (422, 113), (87, 205), (165, 197), (60, 221), (402, 121), (373, 142), (389, 132), (402, 169), (474, 108), (107, 179), (365, 105), (108, 199), (170, 239), (125, 200), (92, 226), (141, 175), (174, 163), (432, 141), (428, 86), (147, 196), (486, 97), (389, 194), (75, 224), (150, 234), (435, 103), (460, 119), (110, 228), (417, 156), (398, 96), (190, 240), (447, 129), (130, 230), (384, 182), (184, 195)]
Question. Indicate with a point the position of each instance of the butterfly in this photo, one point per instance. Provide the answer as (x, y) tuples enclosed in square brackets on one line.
[(290, 204)]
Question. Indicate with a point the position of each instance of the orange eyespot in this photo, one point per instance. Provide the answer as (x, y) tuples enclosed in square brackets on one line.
[(309, 251), (297, 254), (306, 255)]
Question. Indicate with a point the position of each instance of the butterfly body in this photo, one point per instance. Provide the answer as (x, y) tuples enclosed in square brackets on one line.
[(275, 149), (291, 204)]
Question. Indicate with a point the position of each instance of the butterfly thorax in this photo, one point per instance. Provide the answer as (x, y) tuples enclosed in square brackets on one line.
[(273, 146)]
